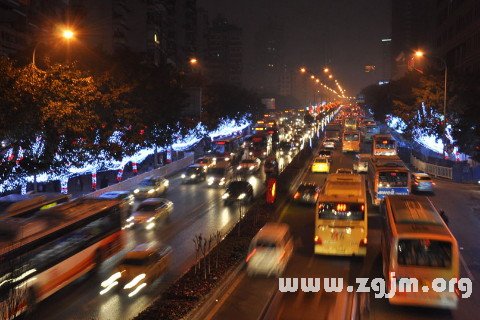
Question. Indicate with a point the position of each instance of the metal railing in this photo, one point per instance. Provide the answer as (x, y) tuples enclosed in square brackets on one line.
[(431, 169), (132, 182)]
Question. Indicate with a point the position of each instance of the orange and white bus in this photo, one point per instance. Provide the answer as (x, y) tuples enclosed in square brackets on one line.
[(41, 255), (341, 218), (351, 141), (384, 145), (417, 247)]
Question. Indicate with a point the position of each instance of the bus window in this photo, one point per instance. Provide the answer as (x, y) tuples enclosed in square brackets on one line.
[(341, 211), (424, 253)]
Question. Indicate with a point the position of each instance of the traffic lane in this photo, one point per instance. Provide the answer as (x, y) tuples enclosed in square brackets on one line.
[(192, 203)]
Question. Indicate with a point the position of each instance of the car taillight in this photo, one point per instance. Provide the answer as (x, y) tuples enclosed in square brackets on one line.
[(297, 195), (416, 183), (250, 255), (317, 240), (433, 183), (363, 242)]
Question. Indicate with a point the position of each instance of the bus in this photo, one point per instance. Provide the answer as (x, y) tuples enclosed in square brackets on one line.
[(384, 145), (227, 147), (332, 131), (24, 205), (417, 244), (261, 145), (351, 141), (350, 123), (341, 218), (369, 131), (387, 176), (41, 255)]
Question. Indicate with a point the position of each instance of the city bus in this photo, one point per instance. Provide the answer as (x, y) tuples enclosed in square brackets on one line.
[(341, 218), (387, 176), (351, 141), (384, 145), (417, 244), (350, 123), (228, 147), (24, 205), (41, 255), (261, 145)]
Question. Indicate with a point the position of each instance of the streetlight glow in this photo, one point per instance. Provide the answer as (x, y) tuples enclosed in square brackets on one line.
[(303, 70), (326, 70), (419, 54), (330, 76), (67, 34), (317, 80), (193, 61), (312, 77)]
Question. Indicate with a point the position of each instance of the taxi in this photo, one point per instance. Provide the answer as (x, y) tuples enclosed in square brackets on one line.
[(321, 164), (139, 268)]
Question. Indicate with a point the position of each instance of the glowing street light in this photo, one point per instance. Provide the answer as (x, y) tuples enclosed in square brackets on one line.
[(68, 34), (317, 80), (303, 70), (326, 70), (330, 76), (419, 53), (193, 61), (312, 77)]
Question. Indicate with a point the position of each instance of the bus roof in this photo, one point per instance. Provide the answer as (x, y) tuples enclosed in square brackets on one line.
[(13, 202), (383, 136), (344, 187), (414, 214)]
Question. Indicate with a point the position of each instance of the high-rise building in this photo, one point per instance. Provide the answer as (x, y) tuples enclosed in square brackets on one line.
[(410, 30), (224, 59), (457, 33), (13, 26)]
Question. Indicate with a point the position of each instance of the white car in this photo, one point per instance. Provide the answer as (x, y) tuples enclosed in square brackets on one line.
[(329, 144), (149, 211), (270, 250)]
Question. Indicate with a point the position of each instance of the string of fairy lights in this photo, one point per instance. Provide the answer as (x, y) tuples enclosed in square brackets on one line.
[(337, 89)]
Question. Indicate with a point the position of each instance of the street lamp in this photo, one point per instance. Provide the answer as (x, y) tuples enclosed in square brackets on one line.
[(303, 70), (421, 54), (66, 34), (330, 76), (193, 61), (312, 77), (326, 70)]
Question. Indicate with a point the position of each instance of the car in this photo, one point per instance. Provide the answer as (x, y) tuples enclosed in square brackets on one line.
[(149, 212), (219, 175), (307, 192), (138, 268), (205, 162), (321, 164), (344, 171), (422, 182), (360, 163), (325, 153), (194, 173), (126, 197), (284, 148), (238, 191), (151, 187), (249, 165), (329, 143), (270, 250)]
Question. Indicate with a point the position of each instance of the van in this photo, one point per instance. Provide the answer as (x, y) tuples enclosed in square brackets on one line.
[(270, 250)]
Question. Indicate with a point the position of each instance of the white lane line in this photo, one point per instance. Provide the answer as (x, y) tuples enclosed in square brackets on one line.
[(465, 265)]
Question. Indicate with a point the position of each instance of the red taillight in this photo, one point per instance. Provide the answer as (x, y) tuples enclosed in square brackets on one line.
[(363, 242), (416, 183), (433, 183), (250, 255), (317, 240), (297, 195)]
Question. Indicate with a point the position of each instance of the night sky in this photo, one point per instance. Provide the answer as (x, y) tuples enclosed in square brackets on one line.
[(344, 34)]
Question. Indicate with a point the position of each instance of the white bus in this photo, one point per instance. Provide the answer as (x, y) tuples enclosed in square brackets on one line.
[(387, 176), (384, 145), (417, 244), (341, 218), (43, 254)]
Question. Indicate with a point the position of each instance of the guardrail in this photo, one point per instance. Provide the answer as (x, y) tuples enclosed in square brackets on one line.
[(132, 182), (432, 169)]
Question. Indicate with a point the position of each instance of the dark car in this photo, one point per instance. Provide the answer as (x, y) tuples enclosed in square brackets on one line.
[(284, 148), (238, 191), (194, 173), (307, 193), (421, 182), (325, 153)]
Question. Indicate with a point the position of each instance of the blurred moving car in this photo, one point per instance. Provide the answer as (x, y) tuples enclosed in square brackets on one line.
[(307, 193), (126, 197), (238, 191), (151, 187), (270, 250), (284, 148), (344, 171), (140, 267), (325, 153), (194, 173), (321, 164), (360, 163), (271, 166), (249, 165), (422, 182), (149, 211), (329, 143), (219, 175), (205, 161)]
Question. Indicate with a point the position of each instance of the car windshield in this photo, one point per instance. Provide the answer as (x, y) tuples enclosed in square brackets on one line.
[(424, 253), (193, 170), (148, 183), (351, 137), (237, 187), (307, 188), (248, 161), (216, 171), (284, 145), (265, 244), (393, 179), (135, 261), (320, 160), (147, 207), (423, 178)]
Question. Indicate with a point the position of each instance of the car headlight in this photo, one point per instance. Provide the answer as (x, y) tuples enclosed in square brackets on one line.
[(130, 219), (151, 191), (223, 179), (241, 196), (214, 159), (264, 153), (193, 176), (239, 167), (225, 196), (136, 191), (184, 175), (150, 219), (227, 159), (251, 153), (114, 277), (251, 168), (135, 281), (210, 180), (166, 183)]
